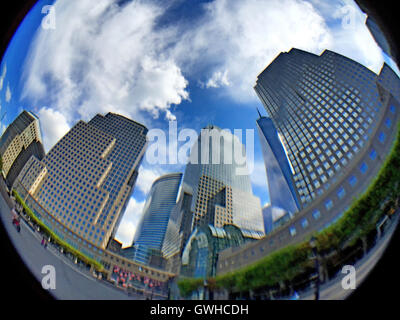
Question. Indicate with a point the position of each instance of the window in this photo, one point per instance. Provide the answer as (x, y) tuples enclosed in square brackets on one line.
[(381, 137), (341, 192), (373, 154), (316, 214), (292, 231), (352, 181), (304, 223), (329, 204), (363, 167)]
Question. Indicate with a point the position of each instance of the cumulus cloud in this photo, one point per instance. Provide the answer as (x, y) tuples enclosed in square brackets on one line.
[(53, 126), (258, 176), (129, 222), (351, 36), (243, 37), (3, 76), (218, 79), (146, 178), (104, 57), (8, 95), (3, 128)]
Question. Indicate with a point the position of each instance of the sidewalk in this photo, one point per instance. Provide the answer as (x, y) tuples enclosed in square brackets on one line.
[(333, 290)]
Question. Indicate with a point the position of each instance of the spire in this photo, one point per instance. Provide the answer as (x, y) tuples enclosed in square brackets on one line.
[(259, 113)]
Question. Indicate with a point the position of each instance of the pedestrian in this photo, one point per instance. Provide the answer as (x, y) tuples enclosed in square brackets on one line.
[(45, 244), (42, 243)]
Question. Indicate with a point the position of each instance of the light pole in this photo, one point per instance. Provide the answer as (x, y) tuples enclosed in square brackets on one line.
[(313, 245), (205, 284)]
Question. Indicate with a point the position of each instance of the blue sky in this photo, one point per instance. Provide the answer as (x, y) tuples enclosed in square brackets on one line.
[(195, 62)]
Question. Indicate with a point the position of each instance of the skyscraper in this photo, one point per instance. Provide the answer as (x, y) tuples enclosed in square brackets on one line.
[(275, 217), (379, 36), (87, 178), (338, 121), (21, 140), (178, 231), (220, 194), (326, 109), (156, 214), (281, 188)]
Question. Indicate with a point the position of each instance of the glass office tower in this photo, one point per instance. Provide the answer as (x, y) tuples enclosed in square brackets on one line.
[(160, 202), (379, 36), (326, 109), (221, 190), (87, 178), (281, 188)]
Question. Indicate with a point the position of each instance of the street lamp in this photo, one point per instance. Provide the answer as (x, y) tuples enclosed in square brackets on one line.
[(313, 245)]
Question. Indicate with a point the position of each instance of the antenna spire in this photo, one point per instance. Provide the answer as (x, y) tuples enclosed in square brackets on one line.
[(259, 113)]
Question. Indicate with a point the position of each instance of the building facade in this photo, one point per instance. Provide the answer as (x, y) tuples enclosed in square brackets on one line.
[(281, 188), (220, 187), (379, 36), (21, 140), (326, 109), (338, 121), (274, 217), (199, 259), (150, 234), (87, 178), (216, 190)]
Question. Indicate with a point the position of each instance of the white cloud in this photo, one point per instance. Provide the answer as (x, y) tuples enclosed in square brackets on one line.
[(146, 178), (218, 79), (258, 176), (351, 36), (3, 76), (243, 37), (129, 222), (8, 93), (53, 125), (102, 58), (3, 128)]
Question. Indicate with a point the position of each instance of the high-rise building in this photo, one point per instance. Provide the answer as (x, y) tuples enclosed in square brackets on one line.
[(220, 186), (275, 217), (160, 202), (326, 109), (378, 28), (87, 178), (379, 36), (178, 231), (21, 140), (216, 191), (281, 188), (338, 121)]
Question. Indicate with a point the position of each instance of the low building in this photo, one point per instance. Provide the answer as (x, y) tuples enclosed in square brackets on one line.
[(199, 258), (114, 246)]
